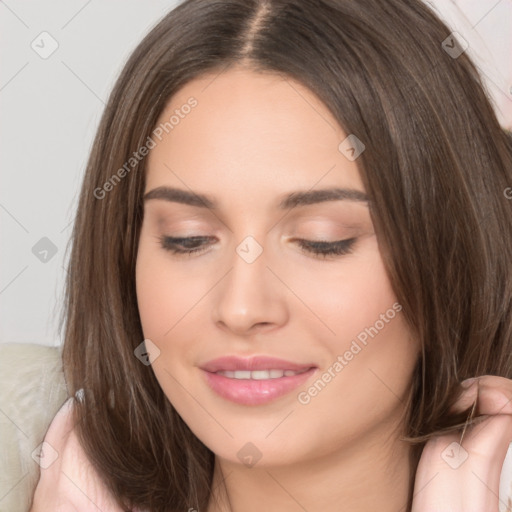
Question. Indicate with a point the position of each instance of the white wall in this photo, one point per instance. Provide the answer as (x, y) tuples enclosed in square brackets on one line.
[(50, 108)]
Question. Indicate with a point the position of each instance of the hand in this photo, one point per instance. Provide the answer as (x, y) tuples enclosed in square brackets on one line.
[(455, 478)]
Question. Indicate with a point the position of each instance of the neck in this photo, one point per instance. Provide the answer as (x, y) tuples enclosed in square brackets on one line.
[(372, 473)]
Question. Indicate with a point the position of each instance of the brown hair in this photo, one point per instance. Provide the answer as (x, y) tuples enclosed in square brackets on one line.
[(435, 167)]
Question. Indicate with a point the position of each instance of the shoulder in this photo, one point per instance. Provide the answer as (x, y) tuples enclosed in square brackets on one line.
[(68, 480)]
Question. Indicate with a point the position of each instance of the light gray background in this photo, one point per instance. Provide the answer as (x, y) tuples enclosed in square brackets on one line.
[(51, 107)]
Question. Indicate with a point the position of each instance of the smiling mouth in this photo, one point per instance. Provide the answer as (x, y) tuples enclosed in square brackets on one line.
[(256, 387)]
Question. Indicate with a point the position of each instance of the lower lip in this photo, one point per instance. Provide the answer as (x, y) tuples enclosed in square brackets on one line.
[(255, 392)]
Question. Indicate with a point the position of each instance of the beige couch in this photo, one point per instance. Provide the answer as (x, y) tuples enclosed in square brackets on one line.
[(32, 389)]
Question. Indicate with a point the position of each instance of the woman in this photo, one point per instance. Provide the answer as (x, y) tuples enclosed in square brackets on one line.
[(293, 243)]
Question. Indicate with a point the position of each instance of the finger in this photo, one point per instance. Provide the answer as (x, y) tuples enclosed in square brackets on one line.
[(494, 396), (489, 439), (465, 478)]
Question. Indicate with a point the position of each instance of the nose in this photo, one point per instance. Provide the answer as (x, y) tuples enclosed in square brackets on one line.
[(250, 298)]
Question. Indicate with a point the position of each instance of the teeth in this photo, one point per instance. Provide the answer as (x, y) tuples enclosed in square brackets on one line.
[(259, 374)]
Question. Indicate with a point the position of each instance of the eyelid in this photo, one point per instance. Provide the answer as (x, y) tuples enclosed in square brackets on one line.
[(335, 248), (318, 248)]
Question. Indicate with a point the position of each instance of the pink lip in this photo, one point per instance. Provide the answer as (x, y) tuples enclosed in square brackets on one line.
[(249, 391)]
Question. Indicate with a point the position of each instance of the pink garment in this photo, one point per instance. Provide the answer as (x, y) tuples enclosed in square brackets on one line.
[(68, 482)]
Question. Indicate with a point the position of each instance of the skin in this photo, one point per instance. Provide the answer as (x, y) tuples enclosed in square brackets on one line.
[(251, 139), (466, 476)]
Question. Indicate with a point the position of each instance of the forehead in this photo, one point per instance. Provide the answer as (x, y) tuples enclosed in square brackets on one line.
[(263, 133)]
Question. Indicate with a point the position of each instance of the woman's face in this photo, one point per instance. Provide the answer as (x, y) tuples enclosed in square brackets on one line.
[(262, 149)]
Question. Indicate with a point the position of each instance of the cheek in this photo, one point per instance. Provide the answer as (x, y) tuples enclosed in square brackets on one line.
[(164, 294), (151, 297), (370, 352), (348, 297)]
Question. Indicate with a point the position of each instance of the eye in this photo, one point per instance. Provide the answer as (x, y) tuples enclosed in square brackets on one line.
[(324, 249), (196, 244), (183, 245)]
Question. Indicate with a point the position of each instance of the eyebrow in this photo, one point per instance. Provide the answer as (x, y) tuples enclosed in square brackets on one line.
[(291, 200)]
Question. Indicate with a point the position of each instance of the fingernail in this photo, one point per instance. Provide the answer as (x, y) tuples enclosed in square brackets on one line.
[(467, 382)]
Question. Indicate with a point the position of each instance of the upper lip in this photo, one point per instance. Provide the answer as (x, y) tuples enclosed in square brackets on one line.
[(233, 363)]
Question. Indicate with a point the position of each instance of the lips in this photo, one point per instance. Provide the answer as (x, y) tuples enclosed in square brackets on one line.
[(253, 364), (257, 380)]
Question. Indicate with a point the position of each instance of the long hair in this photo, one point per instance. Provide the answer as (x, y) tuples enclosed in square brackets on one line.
[(436, 168)]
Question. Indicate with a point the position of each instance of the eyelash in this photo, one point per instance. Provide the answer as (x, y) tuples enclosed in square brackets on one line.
[(319, 248)]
